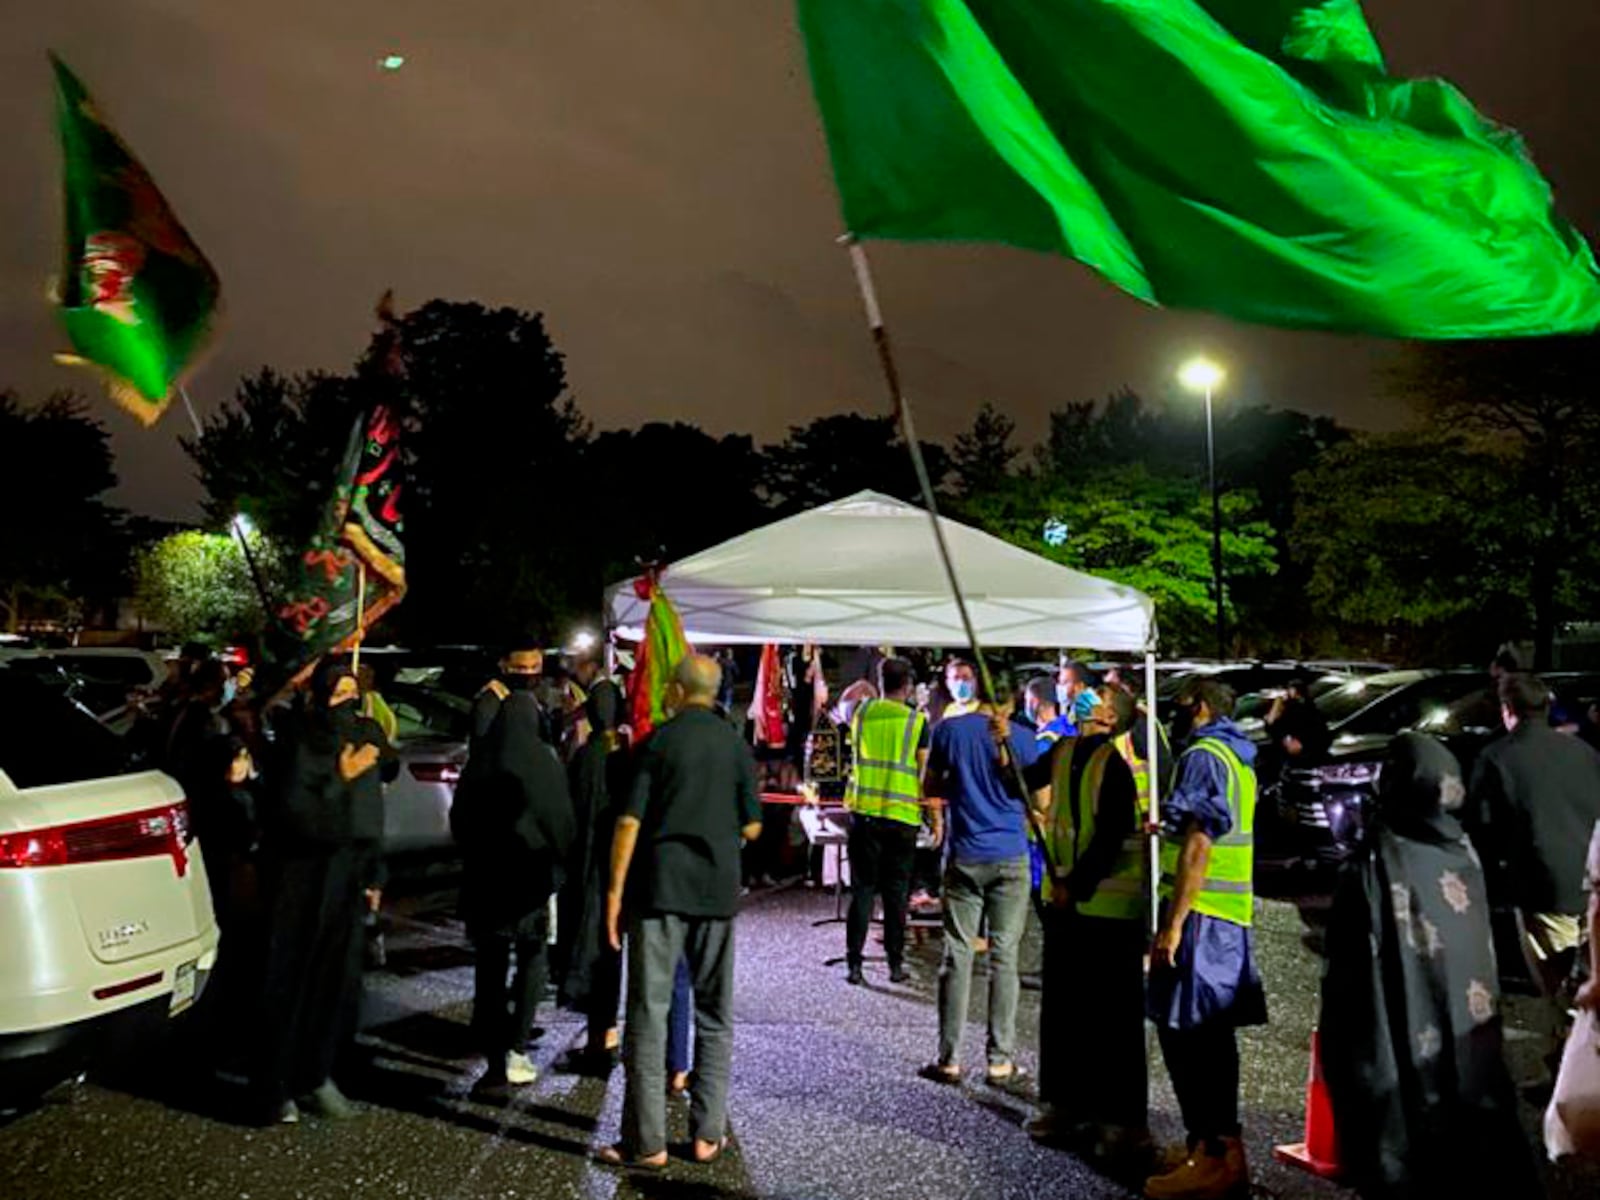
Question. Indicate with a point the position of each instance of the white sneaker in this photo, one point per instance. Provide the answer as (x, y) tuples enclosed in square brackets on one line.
[(520, 1069)]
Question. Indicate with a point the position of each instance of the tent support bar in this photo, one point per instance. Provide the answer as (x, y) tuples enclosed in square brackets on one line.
[(908, 433)]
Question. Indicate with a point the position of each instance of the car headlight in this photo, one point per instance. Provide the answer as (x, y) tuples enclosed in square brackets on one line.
[(1349, 774)]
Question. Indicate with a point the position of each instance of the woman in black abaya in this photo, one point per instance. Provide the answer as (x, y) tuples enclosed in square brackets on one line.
[(1411, 1032), (321, 827)]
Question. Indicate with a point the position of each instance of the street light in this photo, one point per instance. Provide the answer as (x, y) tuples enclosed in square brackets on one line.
[(1203, 375)]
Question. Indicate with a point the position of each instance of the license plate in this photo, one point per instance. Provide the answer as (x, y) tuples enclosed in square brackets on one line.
[(183, 986)]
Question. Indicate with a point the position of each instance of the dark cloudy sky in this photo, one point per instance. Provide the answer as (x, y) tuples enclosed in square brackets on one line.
[(651, 175)]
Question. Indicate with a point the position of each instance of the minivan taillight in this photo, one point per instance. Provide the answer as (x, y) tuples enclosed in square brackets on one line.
[(150, 833)]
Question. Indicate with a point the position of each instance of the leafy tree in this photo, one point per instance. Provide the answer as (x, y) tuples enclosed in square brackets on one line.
[(197, 585), (982, 456), (1532, 404), (1412, 543), (494, 454), (663, 491), (62, 546), (837, 456), (1149, 531)]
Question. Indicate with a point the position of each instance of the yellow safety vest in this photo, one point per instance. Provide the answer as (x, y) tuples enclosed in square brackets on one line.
[(1228, 891), (883, 777), (1120, 895)]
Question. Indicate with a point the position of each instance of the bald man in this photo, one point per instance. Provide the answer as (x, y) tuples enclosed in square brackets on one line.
[(675, 869)]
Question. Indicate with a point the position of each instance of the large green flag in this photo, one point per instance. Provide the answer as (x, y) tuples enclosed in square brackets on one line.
[(136, 296), (1248, 157)]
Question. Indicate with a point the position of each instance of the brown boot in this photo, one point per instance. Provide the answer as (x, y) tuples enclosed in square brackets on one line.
[(1204, 1176)]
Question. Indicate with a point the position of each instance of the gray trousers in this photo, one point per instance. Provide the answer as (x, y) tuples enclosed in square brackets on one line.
[(973, 891), (655, 944)]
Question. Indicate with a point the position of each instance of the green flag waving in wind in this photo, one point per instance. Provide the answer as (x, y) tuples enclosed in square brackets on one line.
[(1247, 157), (136, 296)]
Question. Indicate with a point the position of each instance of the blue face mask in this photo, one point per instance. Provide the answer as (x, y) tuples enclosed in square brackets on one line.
[(962, 690), (230, 689), (1063, 697)]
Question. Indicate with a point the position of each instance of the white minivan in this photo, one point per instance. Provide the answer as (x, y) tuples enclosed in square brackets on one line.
[(105, 912)]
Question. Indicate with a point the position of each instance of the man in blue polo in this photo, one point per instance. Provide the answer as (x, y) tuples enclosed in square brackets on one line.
[(986, 873)]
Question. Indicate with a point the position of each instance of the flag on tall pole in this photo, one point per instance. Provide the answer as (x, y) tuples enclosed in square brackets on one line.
[(1245, 157), (137, 297), (353, 572), (661, 649)]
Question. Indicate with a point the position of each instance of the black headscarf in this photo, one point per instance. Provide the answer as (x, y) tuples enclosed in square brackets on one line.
[(512, 817), (1411, 1032)]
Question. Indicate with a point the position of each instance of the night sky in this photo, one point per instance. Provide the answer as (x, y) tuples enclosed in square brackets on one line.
[(651, 175)]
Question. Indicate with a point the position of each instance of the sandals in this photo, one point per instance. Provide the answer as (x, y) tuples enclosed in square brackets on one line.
[(718, 1148), (616, 1156), (1009, 1080), (950, 1075)]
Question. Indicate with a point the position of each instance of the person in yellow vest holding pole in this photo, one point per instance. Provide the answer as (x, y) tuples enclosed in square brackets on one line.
[(1203, 980), (1092, 1072), (889, 745)]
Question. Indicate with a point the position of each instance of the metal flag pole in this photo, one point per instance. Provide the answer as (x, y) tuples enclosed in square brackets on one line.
[(233, 523), (902, 412)]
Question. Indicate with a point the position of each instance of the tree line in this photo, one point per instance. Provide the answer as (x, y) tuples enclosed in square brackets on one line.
[(1469, 528)]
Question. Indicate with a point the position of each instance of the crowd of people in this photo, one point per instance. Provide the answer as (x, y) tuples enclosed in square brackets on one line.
[(582, 852)]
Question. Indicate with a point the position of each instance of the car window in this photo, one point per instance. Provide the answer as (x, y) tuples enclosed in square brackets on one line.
[(47, 740), (1345, 701), (1407, 707), (422, 712), (1477, 712), (123, 669)]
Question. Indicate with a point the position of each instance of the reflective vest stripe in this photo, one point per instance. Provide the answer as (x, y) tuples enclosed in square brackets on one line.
[(1120, 895), (1227, 891), (884, 781)]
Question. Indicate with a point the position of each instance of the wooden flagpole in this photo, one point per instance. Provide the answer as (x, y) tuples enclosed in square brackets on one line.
[(233, 522), (908, 432)]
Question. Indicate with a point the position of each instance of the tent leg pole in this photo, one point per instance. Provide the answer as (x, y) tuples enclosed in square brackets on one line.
[(908, 433)]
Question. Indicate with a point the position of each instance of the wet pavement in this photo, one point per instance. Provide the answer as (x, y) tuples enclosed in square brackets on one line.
[(826, 1102)]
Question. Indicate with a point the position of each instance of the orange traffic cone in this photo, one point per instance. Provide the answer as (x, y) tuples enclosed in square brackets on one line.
[(1319, 1153)]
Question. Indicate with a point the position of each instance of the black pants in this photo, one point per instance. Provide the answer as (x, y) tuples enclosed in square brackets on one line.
[(881, 856), (1204, 1066), (605, 996), (502, 1011), (1091, 1020), (311, 987)]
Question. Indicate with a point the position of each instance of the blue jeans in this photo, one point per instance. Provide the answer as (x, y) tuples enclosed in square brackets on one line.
[(678, 1020), (972, 892)]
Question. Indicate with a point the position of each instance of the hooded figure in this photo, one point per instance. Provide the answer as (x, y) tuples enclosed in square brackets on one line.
[(321, 824), (513, 820), (1411, 1029)]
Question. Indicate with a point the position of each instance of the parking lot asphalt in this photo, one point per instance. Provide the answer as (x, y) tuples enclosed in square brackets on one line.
[(826, 1102)]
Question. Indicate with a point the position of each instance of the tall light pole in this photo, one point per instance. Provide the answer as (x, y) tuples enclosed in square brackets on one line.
[(1203, 375)]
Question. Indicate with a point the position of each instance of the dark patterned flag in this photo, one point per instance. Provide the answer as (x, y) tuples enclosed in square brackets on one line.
[(136, 296), (360, 535)]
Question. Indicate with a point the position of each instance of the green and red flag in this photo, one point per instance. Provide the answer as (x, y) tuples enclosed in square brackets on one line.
[(660, 651), (1248, 157), (137, 297)]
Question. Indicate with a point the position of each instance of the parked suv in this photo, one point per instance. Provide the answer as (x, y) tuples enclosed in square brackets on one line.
[(105, 913)]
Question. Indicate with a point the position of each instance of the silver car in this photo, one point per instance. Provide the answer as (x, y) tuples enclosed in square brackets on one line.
[(432, 737)]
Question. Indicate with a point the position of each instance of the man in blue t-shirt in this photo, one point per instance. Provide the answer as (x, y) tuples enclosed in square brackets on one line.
[(986, 872)]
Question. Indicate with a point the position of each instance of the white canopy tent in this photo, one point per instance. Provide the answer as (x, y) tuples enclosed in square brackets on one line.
[(865, 571)]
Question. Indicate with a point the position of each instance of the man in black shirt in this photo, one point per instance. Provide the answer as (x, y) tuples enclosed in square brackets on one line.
[(675, 859)]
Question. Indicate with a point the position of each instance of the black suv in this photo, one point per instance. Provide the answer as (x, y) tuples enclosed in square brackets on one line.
[(1323, 810)]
